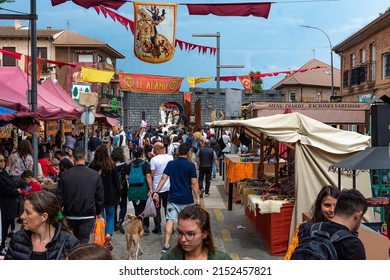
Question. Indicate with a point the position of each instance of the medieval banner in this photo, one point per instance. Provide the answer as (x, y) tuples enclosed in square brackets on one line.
[(155, 31), (246, 82), (149, 83)]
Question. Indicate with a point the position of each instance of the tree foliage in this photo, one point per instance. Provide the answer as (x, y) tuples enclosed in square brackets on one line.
[(6, 1), (257, 84)]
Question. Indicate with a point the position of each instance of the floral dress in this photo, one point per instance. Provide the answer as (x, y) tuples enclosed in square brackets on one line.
[(18, 165)]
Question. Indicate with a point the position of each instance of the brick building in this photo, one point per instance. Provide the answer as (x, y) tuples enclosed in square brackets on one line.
[(365, 61)]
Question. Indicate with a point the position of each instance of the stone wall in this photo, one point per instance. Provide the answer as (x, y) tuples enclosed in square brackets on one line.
[(136, 104)]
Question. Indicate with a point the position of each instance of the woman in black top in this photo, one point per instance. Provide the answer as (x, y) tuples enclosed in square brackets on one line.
[(45, 234), (8, 202), (118, 157), (103, 164)]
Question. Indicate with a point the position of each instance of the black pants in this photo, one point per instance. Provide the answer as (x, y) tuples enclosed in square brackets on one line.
[(138, 209), (205, 171), (122, 209), (162, 203), (82, 229), (4, 230)]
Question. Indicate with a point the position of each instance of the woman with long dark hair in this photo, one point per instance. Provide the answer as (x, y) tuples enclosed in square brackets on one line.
[(103, 164), (9, 197), (118, 157), (45, 234)]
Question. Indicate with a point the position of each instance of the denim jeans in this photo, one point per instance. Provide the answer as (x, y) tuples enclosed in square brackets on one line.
[(109, 214), (214, 169)]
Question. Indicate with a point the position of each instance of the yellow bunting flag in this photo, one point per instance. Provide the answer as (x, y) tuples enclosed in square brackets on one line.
[(96, 76), (193, 81)]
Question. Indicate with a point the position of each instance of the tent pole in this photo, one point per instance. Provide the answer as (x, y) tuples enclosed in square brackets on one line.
[(339, 178), (34, 87), (354, 179)]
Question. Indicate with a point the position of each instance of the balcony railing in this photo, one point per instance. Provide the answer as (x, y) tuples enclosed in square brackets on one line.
[(359, 75)]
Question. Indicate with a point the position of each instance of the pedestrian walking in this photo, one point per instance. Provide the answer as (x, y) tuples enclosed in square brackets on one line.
[(157, 166), (205, 157), (183, 182), (80, 192)]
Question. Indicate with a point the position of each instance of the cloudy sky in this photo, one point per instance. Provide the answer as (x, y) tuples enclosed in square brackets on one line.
[(266, 45)]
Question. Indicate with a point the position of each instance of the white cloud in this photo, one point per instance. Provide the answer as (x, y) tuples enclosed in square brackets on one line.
[(353, 25)]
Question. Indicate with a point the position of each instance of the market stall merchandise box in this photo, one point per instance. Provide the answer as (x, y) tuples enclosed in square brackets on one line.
[(272, 220)]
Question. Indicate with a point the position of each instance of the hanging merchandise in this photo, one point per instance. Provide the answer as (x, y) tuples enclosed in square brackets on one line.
[(155, 31)]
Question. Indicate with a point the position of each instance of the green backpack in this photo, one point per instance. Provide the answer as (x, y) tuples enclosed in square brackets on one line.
[(138, 187)]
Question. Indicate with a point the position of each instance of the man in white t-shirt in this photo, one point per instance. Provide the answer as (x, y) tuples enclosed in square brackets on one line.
[(157, 165)]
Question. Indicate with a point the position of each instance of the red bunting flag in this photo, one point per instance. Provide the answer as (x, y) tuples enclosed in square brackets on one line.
[(27, 66), (113, 4), (231, 9)]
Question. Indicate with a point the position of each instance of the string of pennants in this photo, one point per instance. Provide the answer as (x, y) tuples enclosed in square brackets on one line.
[(246, 80), (129, 24)]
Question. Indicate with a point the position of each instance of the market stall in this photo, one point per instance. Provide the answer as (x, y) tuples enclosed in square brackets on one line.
[(316, 147)]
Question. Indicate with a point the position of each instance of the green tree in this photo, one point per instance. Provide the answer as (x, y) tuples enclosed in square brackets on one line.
[(257, 84), (6, 1)]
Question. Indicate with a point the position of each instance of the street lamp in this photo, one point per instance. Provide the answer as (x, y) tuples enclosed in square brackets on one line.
[(331, 55), (218, 67)]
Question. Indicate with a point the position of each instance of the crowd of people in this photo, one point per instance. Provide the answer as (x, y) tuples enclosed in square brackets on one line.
[(100, 182), (172, 167)]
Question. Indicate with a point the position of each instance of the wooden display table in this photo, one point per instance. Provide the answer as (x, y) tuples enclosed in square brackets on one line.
[(236, 170), (272, 220)]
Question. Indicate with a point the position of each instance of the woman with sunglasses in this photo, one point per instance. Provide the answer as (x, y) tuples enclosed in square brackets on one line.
[(195, 241)]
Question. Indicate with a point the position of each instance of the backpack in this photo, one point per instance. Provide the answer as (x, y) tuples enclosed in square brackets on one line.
[(319, 245), (136, 176)]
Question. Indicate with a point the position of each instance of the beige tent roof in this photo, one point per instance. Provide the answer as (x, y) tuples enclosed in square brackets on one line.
[(296, 127), (317, 147)]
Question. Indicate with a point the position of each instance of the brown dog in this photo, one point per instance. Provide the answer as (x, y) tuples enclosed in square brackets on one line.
[(134, 234)]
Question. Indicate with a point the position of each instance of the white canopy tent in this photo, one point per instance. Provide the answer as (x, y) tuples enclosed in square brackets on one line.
[(317, 146)]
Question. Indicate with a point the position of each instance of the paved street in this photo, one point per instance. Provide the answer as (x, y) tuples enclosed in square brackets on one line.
[(232, 231)]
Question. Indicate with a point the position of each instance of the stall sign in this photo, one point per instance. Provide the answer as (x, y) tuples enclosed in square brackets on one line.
[(67, 126), (6, 131), (79, 125), (51, 128)]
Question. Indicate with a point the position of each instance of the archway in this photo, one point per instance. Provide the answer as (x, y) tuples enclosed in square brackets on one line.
[(170, 113)]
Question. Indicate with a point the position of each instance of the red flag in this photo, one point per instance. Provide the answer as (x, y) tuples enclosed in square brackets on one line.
[(246, 83), (187, 96), (227, 78), (27, 66), (114, 4), (231, 9)]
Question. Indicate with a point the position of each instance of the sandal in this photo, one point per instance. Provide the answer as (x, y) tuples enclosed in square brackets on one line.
[(108, 244)]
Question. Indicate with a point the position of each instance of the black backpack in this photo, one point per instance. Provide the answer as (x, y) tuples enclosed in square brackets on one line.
[(319, 245)]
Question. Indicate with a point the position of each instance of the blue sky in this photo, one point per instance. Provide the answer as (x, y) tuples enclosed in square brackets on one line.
[(266, 45)]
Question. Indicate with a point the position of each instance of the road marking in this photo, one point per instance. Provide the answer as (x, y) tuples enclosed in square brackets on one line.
[(226, 235), (234, 256), (218, 215)]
